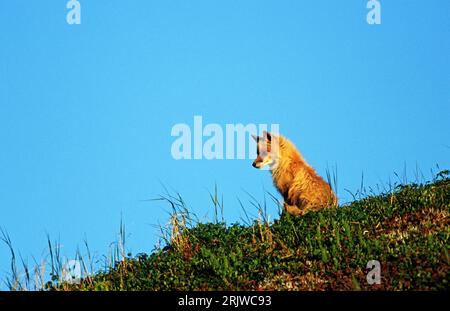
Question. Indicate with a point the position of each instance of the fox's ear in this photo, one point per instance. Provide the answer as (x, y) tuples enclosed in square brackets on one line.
[(275, 139), (267, 135), (256, 138)]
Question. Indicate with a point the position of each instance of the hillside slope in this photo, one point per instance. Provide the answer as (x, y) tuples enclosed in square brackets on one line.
[(406, 230)]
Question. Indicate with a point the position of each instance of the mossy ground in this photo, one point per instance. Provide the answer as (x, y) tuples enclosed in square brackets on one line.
[(406, 230)]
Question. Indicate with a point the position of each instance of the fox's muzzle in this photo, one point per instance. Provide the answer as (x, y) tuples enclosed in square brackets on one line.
[(257, 164)]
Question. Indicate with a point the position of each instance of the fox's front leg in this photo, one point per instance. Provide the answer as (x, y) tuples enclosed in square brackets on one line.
[(293, 210)]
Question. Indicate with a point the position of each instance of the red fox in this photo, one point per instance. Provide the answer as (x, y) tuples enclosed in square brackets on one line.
[(302, 188)]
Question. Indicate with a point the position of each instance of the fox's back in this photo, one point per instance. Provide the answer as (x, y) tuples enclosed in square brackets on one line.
[(298, 182)]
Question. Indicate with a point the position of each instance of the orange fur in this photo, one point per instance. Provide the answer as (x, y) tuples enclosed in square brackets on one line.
[(302, 188)]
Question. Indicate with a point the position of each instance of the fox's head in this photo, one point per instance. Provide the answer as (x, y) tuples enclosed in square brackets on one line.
[(267, 147)]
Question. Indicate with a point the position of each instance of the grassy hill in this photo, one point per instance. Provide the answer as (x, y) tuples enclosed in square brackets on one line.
[(406, 230)]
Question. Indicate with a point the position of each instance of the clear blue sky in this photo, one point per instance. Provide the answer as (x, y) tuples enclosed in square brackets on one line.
[(86, 110)]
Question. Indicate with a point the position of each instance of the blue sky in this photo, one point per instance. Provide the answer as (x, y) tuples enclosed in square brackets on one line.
[(86, 110)]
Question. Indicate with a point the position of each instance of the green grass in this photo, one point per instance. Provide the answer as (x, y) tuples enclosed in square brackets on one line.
[(406, 229)]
